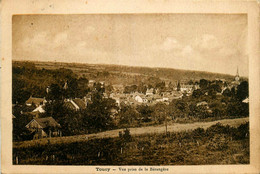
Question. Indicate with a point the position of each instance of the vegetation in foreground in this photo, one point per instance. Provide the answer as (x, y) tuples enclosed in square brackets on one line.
[(217, 145)]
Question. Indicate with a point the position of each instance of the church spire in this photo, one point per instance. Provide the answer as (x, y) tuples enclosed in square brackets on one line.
[(237, 75)]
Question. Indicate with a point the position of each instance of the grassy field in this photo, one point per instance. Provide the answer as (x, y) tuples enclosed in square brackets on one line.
[(218, 144), (176, 127)]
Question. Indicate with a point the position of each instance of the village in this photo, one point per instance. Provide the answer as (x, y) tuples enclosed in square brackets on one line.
[(44, 124)]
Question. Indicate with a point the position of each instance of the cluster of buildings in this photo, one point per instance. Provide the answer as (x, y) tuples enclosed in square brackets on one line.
[(149, 98), (153, 95), (48, 127)]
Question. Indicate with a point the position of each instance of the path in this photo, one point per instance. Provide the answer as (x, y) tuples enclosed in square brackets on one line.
[(176, 127)]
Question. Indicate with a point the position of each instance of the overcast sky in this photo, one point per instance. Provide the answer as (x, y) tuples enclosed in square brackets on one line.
[(215, 43)]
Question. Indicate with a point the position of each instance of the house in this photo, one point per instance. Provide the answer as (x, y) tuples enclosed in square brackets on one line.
[(165, 99), (159, 100), (149, 91), (81, 103), (75, 104), (203, 103), (39, 109), (177, 95), (102, 83), (36, 101), (87, 98), (117, 99), (138, 99), (186, 88), (91, 83), (44, 127)]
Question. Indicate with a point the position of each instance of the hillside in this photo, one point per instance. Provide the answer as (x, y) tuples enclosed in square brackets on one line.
[(118, 74)]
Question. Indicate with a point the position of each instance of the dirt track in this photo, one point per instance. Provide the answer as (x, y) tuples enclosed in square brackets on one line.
[(134, 131)]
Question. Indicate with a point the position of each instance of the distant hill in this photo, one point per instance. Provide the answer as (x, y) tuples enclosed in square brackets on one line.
[(119, 74)]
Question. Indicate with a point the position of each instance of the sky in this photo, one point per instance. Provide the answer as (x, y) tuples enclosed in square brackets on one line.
[(204, 42)]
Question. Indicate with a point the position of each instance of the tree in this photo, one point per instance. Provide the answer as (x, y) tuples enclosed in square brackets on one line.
[(100, 110), (197, 93), (204, 84), (130, 89), (178, 86), (82, 87), (178, 108), (215, 87), (20, 132), (55, 92), (145, 112), (142, 88), (212, 93), (128, 116), (190, 82), (170, 86), (72, 90), (160, 112), (20, 93), (152, 81), (56, 109), (160, 86), (242, 91), (237, 108)]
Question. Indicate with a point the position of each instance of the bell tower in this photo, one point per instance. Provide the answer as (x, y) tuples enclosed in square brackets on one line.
[(237, 76)]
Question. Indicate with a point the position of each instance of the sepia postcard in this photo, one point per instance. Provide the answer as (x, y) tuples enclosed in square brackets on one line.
[(149, 86)]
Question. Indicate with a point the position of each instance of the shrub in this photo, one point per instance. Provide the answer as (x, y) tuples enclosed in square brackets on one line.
[(125, 136), (218, 142), (219, 129), (199, 132), (242, 132)]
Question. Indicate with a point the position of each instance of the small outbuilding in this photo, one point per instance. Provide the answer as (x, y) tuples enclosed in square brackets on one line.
[(44, 127)]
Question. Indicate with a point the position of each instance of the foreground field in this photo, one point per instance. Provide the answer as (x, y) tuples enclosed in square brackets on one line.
[(217, 144), (134, 131)]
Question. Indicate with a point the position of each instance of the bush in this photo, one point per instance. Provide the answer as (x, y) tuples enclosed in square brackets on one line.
[(218, 142), (125, 136), (242, 132), (219, 129), (199, 132)]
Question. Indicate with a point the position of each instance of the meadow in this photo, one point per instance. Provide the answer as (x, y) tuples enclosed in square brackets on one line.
[(217, 144)]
